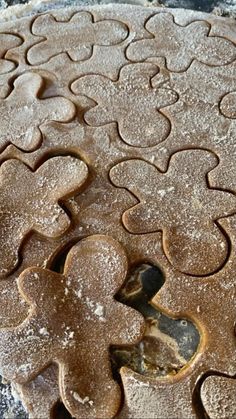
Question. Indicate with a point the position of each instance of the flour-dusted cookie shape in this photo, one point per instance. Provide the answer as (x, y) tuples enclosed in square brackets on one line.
[(228, 105), (74, 319), (77, 36), (180, 203), (41, 388), (180, 45), (201, 116), (22, 113), (198, 299), (218, 395), (8, 41), (131, 101), (29, 201), (154, 399)]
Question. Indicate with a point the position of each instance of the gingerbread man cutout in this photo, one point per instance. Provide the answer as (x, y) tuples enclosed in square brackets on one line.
[(77, 36), (180, 203), (131, 101), (73, 320), (180, 45), (29, 201), (22, 113)]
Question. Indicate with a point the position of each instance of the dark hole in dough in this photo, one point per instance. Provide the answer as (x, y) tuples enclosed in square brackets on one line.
[(60, 412), (168, 343)]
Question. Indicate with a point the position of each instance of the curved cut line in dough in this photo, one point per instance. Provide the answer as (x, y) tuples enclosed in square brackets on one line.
[(148, 216), (81, 49)]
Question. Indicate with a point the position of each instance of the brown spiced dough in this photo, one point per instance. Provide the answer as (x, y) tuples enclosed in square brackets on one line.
[(7, 42), (199, 299), (73, 321), (29, 112), (133, 118), (40, 395), (228, 105), (182, 44), (35, 206), (218, 395), (77, 36), (139, 122), (189, 233)]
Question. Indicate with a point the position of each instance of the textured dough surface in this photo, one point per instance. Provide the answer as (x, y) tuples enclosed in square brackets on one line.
[(117, 149)]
